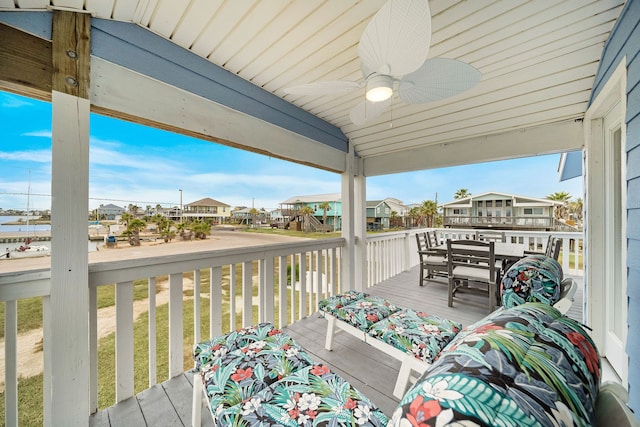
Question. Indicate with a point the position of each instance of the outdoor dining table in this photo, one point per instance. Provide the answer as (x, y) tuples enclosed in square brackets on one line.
[(506, 252)]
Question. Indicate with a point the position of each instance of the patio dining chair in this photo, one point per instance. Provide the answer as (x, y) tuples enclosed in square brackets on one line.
[(471, 267), (432, 262)]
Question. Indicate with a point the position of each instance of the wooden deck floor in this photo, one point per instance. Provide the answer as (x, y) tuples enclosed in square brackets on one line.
[(369, 370)]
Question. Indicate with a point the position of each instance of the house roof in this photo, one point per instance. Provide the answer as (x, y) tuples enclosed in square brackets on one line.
[(111, 206), (206, 202), (374, 203), (467, 201), (315, 198), (218, 70)]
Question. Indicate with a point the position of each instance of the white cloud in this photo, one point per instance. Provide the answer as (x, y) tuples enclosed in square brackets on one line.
[(38, 156)]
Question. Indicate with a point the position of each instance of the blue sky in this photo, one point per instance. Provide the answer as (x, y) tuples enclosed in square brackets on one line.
[(145, 166)]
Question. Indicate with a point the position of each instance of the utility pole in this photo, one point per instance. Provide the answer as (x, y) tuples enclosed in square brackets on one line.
[(180, 190)]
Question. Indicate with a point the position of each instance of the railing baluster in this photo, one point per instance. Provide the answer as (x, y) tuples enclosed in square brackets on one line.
[(215, 301), (176, 325), (196, 306), (282, 291), (11, 363), (294, 279), (267, 273), (152, 331), (124, 340), (319, 283), (247, 293), (232, 297), (93, 345), (303, 286)]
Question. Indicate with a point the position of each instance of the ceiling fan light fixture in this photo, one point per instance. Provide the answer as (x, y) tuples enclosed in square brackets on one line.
[(379, 88)]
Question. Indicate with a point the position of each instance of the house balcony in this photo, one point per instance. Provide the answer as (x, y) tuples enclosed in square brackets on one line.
[(539, 223), (212, 291)]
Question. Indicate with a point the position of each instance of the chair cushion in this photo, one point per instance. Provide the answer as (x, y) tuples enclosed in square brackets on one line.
[(332, 304), (534, 278), (416, 333), (524, 366), (205, 352), (237, 375), (365, 312), (312, 396)]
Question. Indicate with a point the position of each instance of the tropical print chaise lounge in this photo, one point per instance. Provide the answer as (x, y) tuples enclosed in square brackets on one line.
[(258, 376), (524, 366)]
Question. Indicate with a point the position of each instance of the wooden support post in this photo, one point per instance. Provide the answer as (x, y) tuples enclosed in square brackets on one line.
[(66, 325), (176, 325)]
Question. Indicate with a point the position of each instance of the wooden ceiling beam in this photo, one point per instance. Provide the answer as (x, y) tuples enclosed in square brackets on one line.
[(26, 64), (71, 53)]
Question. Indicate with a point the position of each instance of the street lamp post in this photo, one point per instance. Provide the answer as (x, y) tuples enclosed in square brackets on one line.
[(180, 190)]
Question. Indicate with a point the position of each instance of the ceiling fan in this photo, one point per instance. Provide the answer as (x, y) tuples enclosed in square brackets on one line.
[(393, 53)]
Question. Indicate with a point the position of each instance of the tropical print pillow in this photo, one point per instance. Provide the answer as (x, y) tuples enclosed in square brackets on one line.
[(524, 366), (205, 352), (415, 332), (237, 375), (332, 304), (312, 396), (365, 312), (535, 278)]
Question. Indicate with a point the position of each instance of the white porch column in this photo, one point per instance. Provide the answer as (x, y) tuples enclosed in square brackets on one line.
[(66, 326), (353, 271), (360, 225)]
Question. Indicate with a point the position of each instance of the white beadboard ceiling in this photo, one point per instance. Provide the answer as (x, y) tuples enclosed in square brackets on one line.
[(538, 59)]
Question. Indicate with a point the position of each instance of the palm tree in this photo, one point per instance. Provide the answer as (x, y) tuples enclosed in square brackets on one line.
[(126, 218), (560, 196), (414, 215), (461, 193), (394, 219), (326, 207), (305, 211), (200, 229), (134, 227), (428, 212), (254, 215)]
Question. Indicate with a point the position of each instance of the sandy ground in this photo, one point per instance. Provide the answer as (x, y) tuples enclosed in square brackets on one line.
[(30, 360)]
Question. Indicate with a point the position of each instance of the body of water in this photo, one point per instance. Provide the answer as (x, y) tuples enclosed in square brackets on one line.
[(33, 230)]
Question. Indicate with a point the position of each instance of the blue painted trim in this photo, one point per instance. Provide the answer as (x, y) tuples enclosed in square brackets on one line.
[(138, 49), (572, 167), (36, 23)]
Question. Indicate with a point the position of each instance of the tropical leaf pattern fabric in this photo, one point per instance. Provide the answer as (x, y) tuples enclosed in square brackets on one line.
[(312, 396), (205, 352), (332, 304), (365, 312), (535, 278), (417, 333), (524, 366), (238, 375)]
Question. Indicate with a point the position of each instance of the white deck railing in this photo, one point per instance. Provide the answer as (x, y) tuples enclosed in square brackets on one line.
[(260, 269)]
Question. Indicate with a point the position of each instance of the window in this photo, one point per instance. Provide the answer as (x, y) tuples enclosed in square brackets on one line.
[(508, 203), (537, 211), (480, 203), (479, 212), (498, 204), (462, 211), (528, 211), (489, 203)]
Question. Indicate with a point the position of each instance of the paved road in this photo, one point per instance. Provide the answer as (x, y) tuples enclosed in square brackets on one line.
[(220, 239)]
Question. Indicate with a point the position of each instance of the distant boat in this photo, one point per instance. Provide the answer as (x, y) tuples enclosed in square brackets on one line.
[(27, 251)]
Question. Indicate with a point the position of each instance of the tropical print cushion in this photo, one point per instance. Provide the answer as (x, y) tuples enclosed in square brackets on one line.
[(312, 396), (524, 366), (365, 312), (535, 278), (332, 304), (205, 352), (237, 375), (416, 333)]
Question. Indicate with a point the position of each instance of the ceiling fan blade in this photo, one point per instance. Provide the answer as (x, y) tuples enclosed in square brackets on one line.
[(337, 87), (438, 78), (396, 40), (367, 111)]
